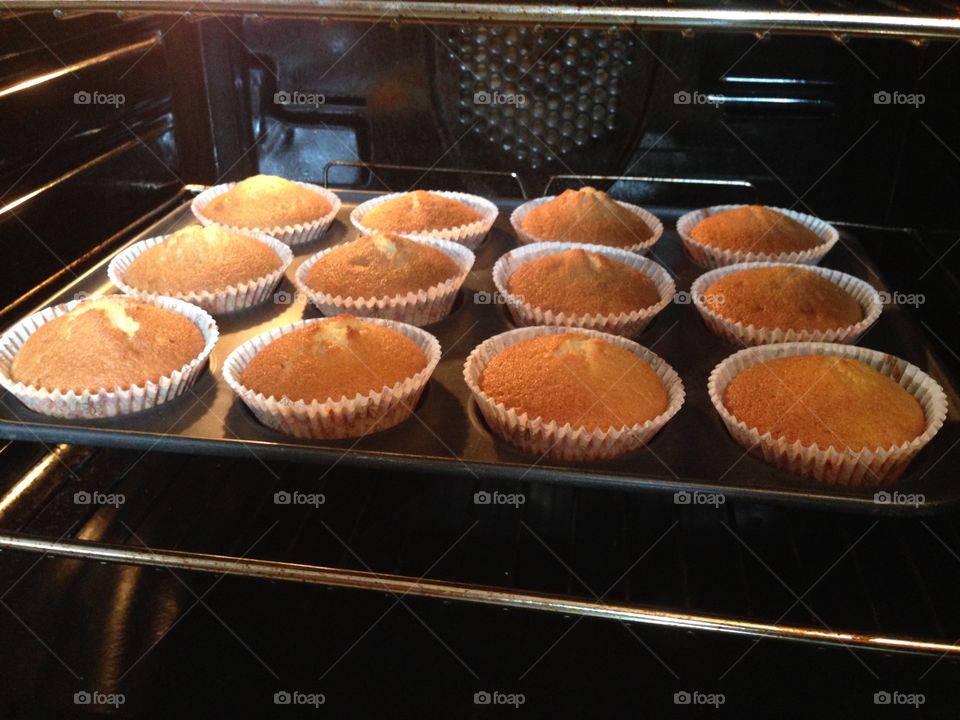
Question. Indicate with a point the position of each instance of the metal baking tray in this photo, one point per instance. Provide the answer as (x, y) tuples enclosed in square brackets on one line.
[(692, 454)]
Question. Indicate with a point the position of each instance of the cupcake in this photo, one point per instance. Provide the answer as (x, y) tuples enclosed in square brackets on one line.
[(556, 284), (105, 356), (579, 395), (759, 303), (333, 377), (292, 212), (215, 268), (837, 413), (586, 216), (387, 276), (728, 234), (457, 217)]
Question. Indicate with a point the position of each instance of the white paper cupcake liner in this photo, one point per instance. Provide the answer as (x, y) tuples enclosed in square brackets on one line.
[(469, 236), (625, 324), (423, 307), (711, 257), (231, 298), (526, 238), (739, 333), (881, 466), (545, 438), (332, 419), (298, 234), (105, 402)]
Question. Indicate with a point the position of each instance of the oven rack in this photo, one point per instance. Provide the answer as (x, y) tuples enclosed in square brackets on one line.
[(833, 18), (733, 570), (448, 435)]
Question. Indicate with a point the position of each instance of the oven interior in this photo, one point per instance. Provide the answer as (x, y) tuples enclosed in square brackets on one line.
[(399, 581)]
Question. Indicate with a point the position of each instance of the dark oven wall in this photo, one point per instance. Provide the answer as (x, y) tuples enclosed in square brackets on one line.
[(86, 138)]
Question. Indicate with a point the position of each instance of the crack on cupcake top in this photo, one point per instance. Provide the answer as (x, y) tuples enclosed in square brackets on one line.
[(340, 331), (114, 311), (385, 245)]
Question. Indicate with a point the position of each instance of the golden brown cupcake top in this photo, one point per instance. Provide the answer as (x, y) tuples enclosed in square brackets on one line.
[(587, 216), (825, 400), (783, 297), (266, 201), (577, 379), (756, 229), (109, 342), (200, 258), (582, 282), (331, 359), (380, 265), (419, 211)]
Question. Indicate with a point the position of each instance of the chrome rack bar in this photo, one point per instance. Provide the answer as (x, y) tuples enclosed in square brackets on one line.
[(388, 166), (745, 184), (839, 25), (482, 595)]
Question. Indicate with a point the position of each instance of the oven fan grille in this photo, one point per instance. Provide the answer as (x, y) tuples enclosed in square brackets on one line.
[(540, 93)]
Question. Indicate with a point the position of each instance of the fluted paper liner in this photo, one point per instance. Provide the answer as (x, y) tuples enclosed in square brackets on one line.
[(546, 438), (739, 333), (105, 402), (625, 324), (231, 298), (297, 234), (469, 235), (526, 238), (873, 467), (422, 307), (332, 419), (712, 257)]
